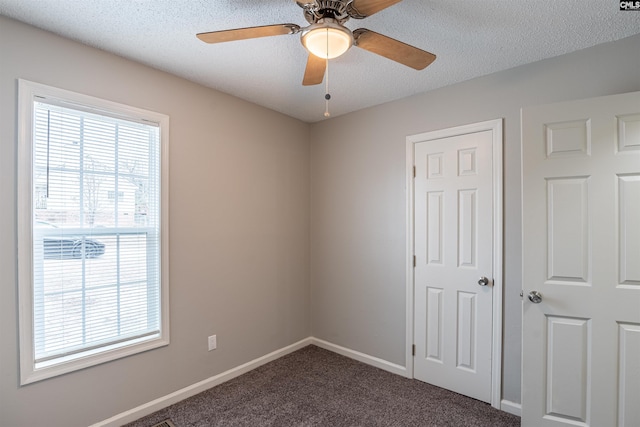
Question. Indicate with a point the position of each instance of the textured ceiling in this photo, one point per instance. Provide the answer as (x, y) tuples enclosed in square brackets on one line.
[(471, 38)]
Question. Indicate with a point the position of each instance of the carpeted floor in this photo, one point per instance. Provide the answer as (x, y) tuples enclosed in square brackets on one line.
[(316, 387)]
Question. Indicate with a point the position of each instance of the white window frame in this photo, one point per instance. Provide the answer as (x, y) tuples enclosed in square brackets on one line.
[(29, 92)]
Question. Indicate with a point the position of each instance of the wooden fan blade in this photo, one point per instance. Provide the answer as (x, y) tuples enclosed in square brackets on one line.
[(393, 49), (314, 73), (363, 8), (248, 33)]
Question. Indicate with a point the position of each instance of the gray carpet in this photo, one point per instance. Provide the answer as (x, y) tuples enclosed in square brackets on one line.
[(316, 387)]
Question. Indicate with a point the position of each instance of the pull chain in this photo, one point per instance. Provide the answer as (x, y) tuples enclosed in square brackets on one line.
[(327, 96)]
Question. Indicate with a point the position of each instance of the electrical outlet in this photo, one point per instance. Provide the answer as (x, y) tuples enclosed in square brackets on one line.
[(213, 342)]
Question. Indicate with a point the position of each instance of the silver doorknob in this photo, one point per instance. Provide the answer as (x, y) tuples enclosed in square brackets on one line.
[(535, 297), (483, 281)]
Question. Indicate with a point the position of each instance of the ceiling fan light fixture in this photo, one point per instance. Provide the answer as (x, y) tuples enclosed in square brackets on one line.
[(327, 34)]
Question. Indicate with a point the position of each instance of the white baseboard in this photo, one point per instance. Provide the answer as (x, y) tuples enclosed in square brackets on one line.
[(361, 357), (511, 407), (192, 390)]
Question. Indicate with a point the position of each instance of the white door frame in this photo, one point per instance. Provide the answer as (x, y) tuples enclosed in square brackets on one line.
[(495, 126)]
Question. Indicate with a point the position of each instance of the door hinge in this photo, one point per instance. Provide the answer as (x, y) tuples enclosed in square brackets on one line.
[(414, 171), (414, 260), (413, 350)]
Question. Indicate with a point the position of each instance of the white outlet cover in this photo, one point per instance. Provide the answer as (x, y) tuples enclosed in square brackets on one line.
[(213, 342)]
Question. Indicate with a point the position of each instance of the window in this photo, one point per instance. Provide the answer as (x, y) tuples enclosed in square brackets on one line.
[(93, 270)]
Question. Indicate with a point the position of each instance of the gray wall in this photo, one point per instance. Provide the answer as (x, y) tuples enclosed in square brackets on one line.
[(358, 194), (239, 232), (249, 249)]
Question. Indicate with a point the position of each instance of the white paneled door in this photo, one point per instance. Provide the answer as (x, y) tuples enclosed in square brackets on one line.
[(453, 274), (581, 263)]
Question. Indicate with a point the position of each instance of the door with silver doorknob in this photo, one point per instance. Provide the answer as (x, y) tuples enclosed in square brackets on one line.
[(453, 311), (581, 276)]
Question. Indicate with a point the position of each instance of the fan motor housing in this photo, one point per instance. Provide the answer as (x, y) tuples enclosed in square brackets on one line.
[(321, 9)]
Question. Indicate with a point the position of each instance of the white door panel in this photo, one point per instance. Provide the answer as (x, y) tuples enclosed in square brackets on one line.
[(581, 251), (453, 244)]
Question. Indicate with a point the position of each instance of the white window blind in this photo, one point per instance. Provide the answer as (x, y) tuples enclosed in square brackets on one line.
[(96, 233)]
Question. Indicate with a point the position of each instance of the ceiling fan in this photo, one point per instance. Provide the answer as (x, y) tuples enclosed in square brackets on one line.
[(326, 37)]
